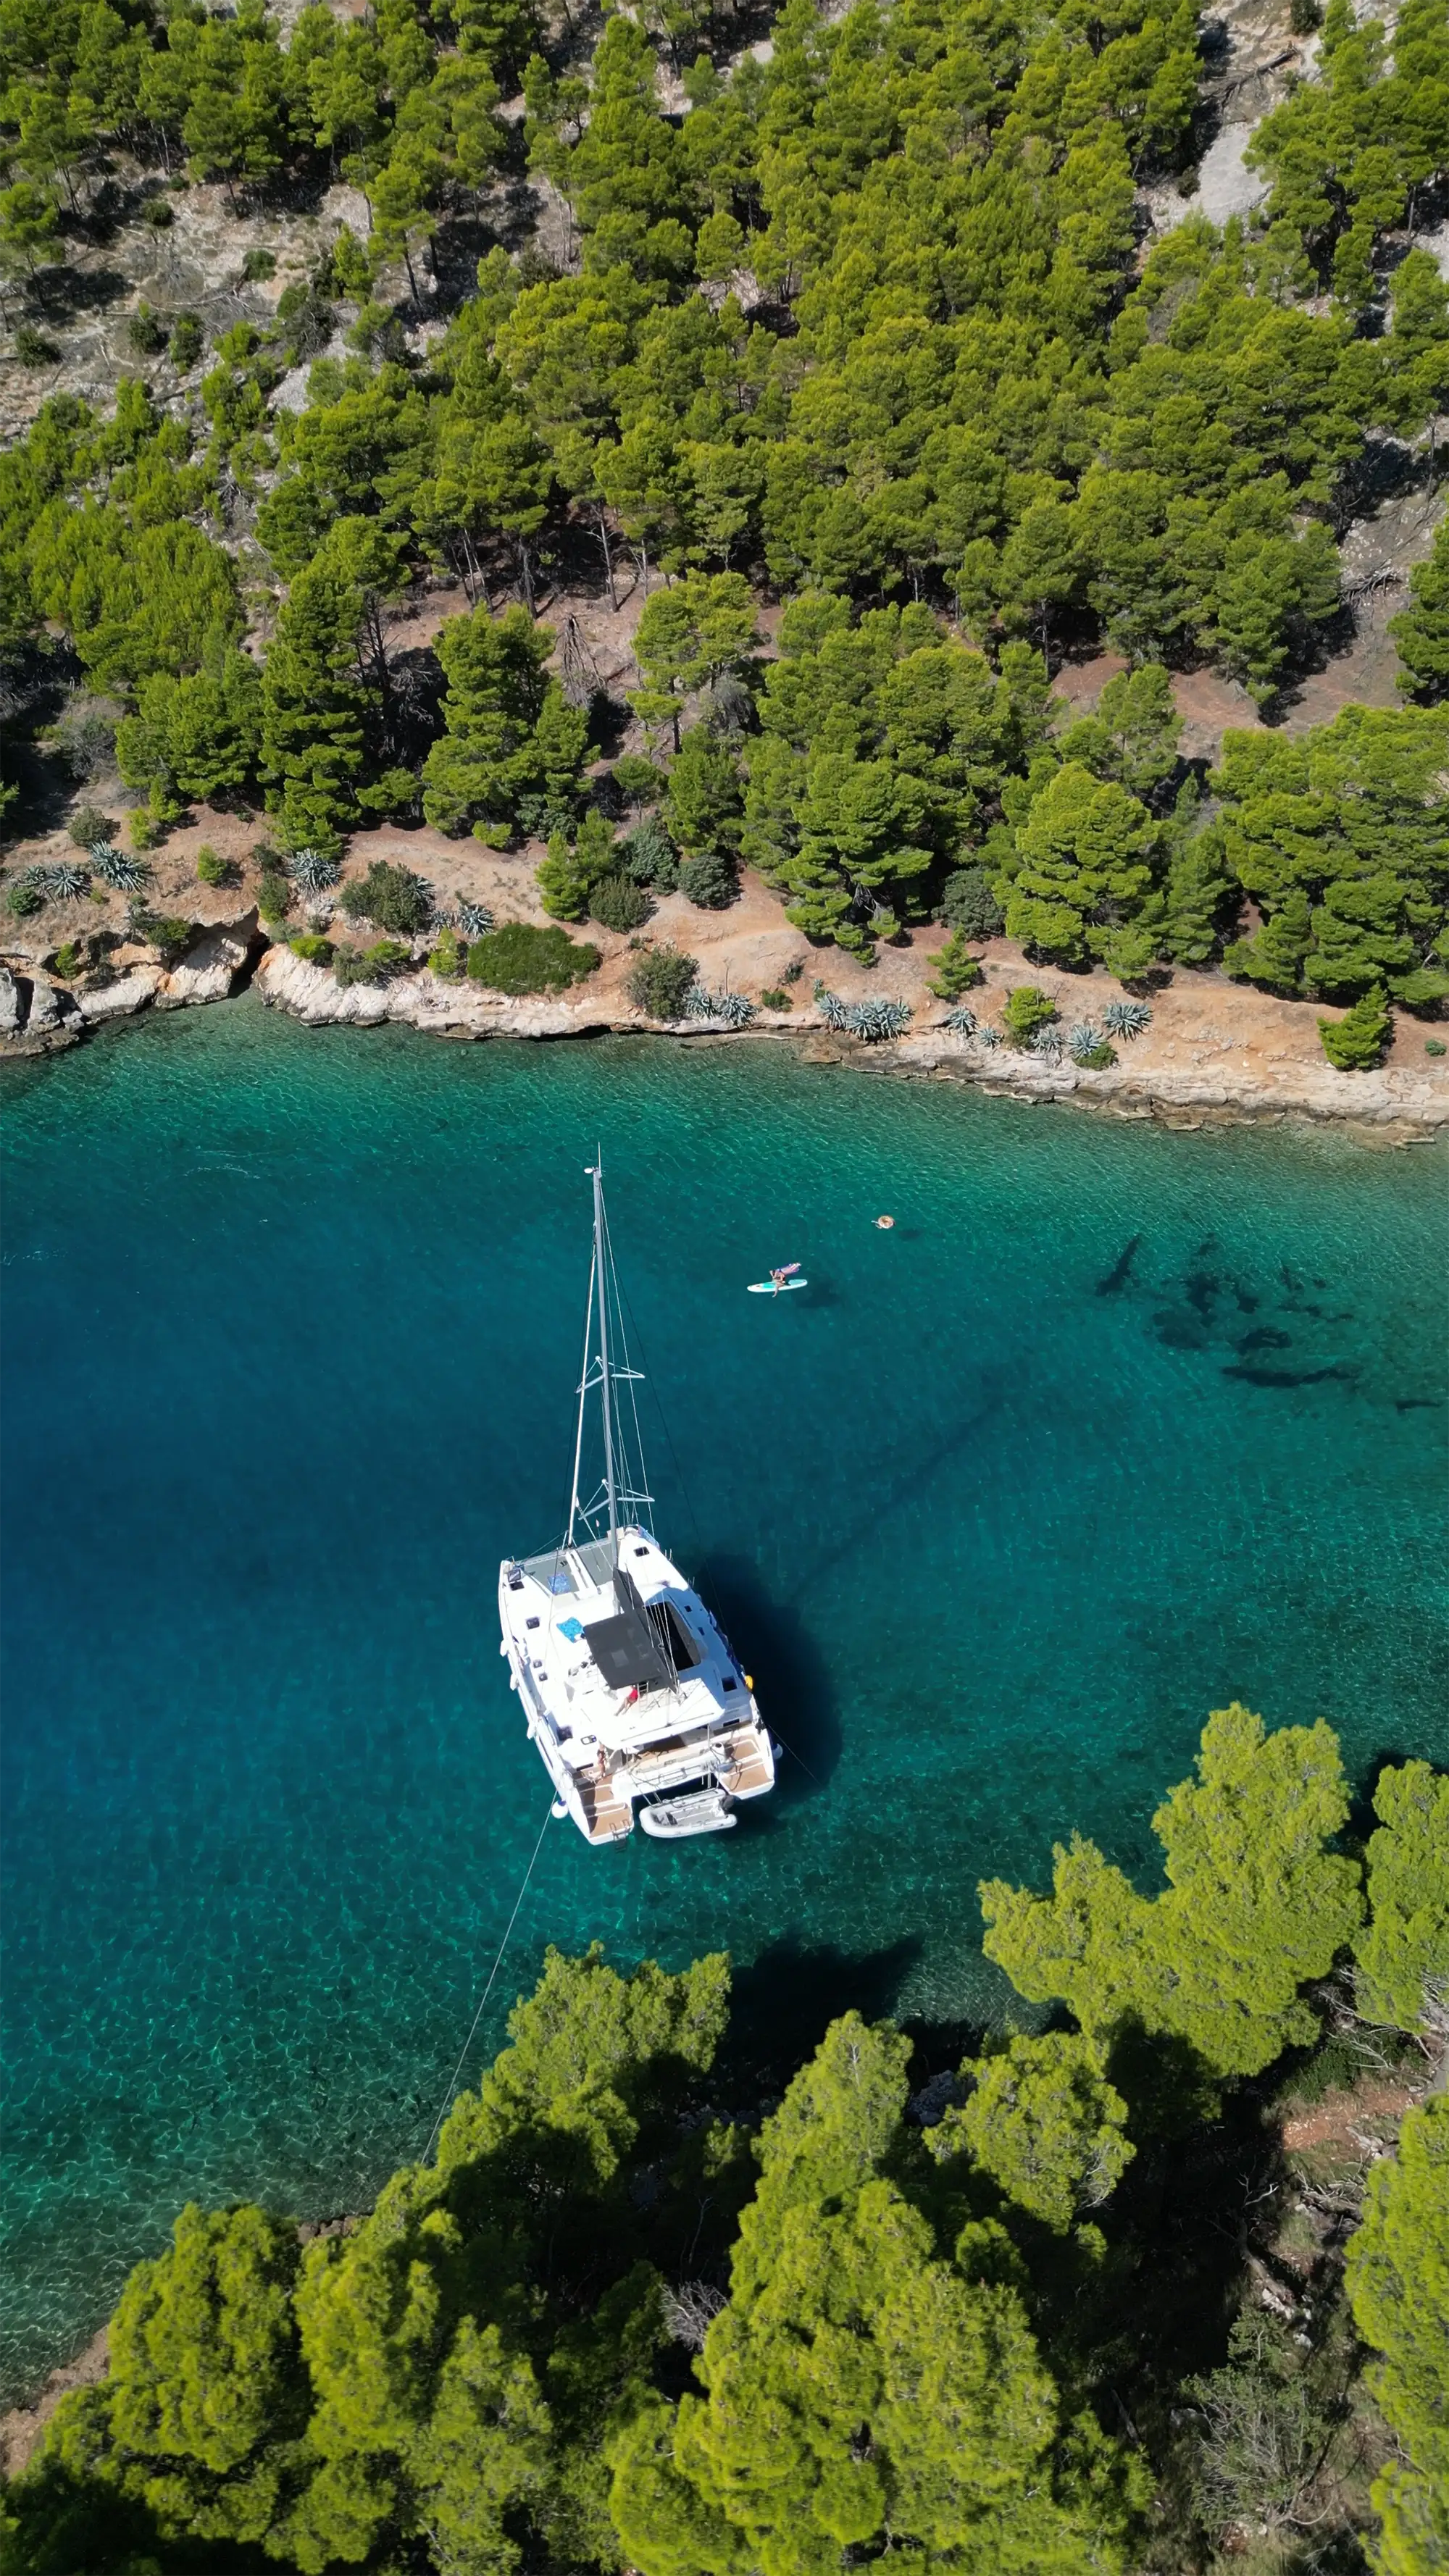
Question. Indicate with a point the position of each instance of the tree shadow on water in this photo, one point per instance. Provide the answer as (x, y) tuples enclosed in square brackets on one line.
[(785, 2002), (792, 1683), (1362, 1815)]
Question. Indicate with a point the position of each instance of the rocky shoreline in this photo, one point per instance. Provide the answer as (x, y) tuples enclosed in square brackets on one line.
[(1223, 1078)]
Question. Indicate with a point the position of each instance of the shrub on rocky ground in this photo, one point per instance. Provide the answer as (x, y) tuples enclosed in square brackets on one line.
[(519, 958), (1024, 1011), (619, 904), (168, 932), (660, 982), (709, 879), (968, 904), (374, 965), (146, 331), (391, 896), (88, 825)]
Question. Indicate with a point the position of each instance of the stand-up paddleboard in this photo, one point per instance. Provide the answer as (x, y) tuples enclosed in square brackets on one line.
[(769, 1287)]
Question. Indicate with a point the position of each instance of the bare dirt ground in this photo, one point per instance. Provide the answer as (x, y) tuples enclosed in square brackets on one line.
[(1342, 2121)]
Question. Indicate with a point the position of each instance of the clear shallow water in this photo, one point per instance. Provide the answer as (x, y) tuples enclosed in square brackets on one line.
[(1114, 1425)]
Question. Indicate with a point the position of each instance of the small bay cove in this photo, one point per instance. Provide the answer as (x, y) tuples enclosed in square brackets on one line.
[(1113, 1425)]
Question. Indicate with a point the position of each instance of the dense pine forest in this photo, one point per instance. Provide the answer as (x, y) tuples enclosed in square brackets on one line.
[(862, 317), (1154, 2276)]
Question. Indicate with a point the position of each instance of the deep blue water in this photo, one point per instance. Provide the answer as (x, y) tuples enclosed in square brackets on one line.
[(1114, 1425)]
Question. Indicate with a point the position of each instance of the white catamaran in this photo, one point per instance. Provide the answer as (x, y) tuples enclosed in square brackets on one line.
[(633, 1693)]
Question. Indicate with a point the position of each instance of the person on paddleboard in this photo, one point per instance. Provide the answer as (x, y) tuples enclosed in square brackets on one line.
[(786, 1271)]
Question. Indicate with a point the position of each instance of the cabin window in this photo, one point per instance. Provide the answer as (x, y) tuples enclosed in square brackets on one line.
[(532, 1623)]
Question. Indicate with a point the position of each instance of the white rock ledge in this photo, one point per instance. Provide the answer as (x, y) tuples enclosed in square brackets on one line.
[(210, 969), (1392, 1105), (129, 993)]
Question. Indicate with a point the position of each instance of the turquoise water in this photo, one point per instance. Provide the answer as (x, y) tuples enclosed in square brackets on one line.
[(1115, 1424)]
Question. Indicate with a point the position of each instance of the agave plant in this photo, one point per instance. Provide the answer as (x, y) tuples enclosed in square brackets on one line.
[(987, 1035), (1126, 1019), (832, 1010), (117, 867), (313, 870), (962, 1021), (1082, 1038), (734, 1009), (876, 1020), (1047, 1043), (61, 880), (474, 919)]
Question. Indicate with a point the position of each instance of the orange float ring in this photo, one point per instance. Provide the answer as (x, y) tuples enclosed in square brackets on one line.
[(885, 1223)]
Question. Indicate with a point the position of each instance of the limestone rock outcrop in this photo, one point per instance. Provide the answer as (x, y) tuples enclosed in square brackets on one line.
[(124, 994), (212, 967)]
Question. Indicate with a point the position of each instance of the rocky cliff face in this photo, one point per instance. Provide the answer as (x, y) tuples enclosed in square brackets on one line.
[(39, 1010)]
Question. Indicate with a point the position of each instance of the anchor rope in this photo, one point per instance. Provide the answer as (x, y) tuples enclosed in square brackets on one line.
[(450, 2096)]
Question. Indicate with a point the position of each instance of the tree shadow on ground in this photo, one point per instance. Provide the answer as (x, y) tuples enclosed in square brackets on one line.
[(64, 291)]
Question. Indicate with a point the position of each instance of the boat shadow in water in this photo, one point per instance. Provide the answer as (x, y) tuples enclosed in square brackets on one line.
[(792, 1683), (783, 2004)]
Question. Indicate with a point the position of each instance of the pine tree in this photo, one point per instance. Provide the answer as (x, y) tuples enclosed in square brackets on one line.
[(702, 801), (1274, 955), (1398, 2285), (205, 2390), (509, 731), (856, 2384), (956, 969), (1421, 631), (563, 884), (689, 635), (1132, 733), (1195, 897), (1358, 936), (198, 737), (1085, 852), (1356, 1043), (314, 709), (1041, 2118), (1402, 1953), (1255, 1905)]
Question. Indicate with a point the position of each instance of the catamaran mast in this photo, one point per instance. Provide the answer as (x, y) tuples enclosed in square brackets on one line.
[(606, 1381)]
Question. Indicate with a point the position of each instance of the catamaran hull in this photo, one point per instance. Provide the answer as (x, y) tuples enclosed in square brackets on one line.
[(674, 1778)]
